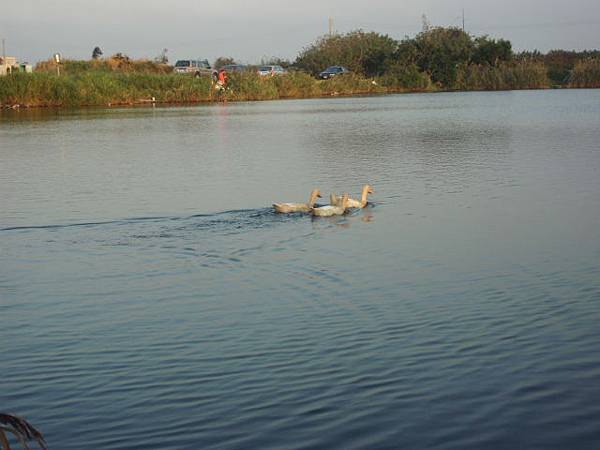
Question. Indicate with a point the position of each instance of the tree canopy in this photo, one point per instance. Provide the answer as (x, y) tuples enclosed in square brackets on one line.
[(96, 53), (364, 53), (438, 52)]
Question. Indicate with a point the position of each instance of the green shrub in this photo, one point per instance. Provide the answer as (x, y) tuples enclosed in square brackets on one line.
[(405, 78)]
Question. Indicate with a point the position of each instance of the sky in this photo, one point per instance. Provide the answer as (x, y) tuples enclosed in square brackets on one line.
[(250, 30)]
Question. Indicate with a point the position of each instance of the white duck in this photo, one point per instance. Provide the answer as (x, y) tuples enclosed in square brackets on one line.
[(286, 208), (332, 210), (351, 202)]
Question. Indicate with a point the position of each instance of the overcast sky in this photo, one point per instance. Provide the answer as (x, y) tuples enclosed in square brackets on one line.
[(250, 29)]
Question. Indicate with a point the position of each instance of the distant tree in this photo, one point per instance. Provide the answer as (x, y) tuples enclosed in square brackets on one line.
[(491, 51), (365, 53), (560, 63), (96, 53), (440, 51), (223, 61), (406, 53), (162, 58)]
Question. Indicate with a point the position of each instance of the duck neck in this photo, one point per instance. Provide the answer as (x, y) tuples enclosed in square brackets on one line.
[(363, 200), (312, 200)]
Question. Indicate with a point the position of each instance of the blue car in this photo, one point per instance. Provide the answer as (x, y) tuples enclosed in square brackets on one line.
[(332, 72)]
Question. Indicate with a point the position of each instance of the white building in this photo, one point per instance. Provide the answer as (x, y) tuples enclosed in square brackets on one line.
[(8, 64)]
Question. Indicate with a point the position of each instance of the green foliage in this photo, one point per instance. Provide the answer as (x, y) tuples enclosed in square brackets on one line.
[(295, 85), (491, 51), (405, 77), (440, 51), (560, 63), (406, 53), (100, 88), (363, 53), (504, 76), (250, 86)]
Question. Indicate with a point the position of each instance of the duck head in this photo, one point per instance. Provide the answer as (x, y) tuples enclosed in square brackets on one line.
[(313, 196)]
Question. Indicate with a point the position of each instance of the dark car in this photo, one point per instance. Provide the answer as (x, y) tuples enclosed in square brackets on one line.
[(332, 72), (196, 67)]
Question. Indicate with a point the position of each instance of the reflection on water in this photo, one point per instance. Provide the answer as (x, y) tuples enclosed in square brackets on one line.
[(143, 274)]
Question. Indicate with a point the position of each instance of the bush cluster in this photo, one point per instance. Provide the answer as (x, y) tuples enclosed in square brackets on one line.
[(435, 57)]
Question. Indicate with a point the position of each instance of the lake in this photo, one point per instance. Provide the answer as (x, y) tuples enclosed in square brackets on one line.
[(150, 298)]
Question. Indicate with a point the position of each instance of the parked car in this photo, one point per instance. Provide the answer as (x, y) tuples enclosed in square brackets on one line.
[(229, 68), (265, 71), (332, 72), (196, 67)]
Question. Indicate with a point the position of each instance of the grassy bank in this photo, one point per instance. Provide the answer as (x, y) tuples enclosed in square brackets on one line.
[(115, 88), (108, 87), (99, 88)]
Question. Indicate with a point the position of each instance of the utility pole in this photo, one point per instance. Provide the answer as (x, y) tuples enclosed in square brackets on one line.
[(463, 19), (331, 26), (3, 51)]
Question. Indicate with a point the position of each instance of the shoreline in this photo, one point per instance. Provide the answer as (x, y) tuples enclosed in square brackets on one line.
[(108, 89), (143, 103)]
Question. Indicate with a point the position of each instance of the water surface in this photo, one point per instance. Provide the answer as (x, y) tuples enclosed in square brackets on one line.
[(150, 298)]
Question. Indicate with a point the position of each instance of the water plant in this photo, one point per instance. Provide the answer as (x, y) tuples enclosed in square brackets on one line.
[(22, 430)]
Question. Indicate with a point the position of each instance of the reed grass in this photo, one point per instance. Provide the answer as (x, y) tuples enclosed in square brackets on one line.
[(83, 87), (101, 88), (116, 63), (506, 76), (586, 74)]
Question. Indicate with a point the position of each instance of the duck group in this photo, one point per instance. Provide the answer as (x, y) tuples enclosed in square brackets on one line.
[(338, 204)]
